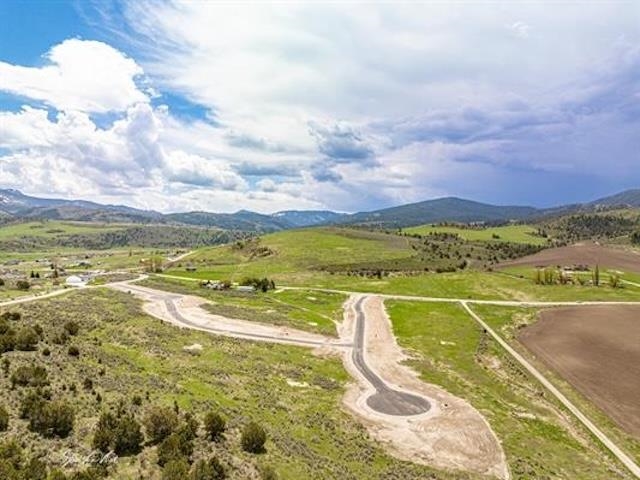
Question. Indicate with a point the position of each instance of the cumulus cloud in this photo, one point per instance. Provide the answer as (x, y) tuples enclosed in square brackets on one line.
[(341, 143), (345, 107), (322, 172), (82, 75), (201, 172)]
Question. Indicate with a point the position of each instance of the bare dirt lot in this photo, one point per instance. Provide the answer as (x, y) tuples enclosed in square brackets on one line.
[(597, 350), (590, 254)]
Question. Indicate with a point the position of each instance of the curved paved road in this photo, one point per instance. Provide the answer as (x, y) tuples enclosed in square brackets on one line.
[(386, 400), (173, 311), (169, 300)]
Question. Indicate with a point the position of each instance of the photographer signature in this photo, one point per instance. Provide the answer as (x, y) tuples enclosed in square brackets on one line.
[(72, 459)]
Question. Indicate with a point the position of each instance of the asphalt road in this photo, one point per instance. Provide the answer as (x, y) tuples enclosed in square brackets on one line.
[(175, 313), (170, 299), (386, 400)]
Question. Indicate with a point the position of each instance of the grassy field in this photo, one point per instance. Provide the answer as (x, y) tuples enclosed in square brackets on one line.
[(294, 394), (466, 285), (53, 228), (299, 251), (301, 257), (508, 233), (306, 310), (506, 321), (540, 439)]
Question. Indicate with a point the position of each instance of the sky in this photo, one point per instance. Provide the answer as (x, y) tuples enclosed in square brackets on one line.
[(178, 106)]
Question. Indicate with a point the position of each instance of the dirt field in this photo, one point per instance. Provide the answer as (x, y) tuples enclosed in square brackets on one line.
[(582, 254), (597, 350)]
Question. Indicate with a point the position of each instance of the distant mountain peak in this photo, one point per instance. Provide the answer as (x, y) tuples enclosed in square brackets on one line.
[(630, 197), (14, 204)]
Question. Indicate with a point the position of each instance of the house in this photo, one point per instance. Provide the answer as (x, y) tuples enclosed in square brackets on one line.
[(246, 288), (75, 281)]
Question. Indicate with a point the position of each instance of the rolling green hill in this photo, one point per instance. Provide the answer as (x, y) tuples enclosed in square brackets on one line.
[(508, 233), (297, 251)]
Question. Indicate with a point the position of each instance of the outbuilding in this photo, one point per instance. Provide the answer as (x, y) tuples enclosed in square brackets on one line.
[(75, 281)]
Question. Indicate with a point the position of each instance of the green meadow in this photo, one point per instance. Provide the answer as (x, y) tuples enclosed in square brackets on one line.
[(540, 440), (507, 233)]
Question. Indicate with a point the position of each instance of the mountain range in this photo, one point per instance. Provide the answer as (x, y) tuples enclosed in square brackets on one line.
[(14, 205)]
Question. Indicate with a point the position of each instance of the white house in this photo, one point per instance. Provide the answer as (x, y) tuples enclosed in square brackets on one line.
[(75, 281), (246, 288)]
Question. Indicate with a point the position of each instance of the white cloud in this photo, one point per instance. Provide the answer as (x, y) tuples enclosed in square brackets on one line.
[(82, 75), (318, 105), (520, 29), (197, 171)]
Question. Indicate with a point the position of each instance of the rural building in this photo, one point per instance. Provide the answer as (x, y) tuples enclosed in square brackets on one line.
[(246, 288), (75, 281)]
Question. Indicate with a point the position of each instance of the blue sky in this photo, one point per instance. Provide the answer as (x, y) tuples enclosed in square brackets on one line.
[(180, 106)]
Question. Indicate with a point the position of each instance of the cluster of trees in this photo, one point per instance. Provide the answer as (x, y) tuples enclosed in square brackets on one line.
[(252, 248), (17, 337), (147, 236), (173, 434), (261, 284), (585, 226), (121, 433), (25, 338), (49, 418), (558, 276)]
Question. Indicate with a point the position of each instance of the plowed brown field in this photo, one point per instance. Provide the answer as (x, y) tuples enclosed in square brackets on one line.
[(590, 254), (597, 350)]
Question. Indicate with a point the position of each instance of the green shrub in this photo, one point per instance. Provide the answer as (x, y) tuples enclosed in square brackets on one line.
[(11, 316), (73, 351), (214, 425), (30, 375), (268, 473), (11, 458), (253, 438), (121, 435), (176, 470), (23, 285), (174, 447), (7, 340), (210, 469), (71, 327), (159, 423), (104, 433), (30, 403), (189, 428), (26, 339), (56, 474), (35, 469), (4, 419), (52, 419), (128, 436)]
